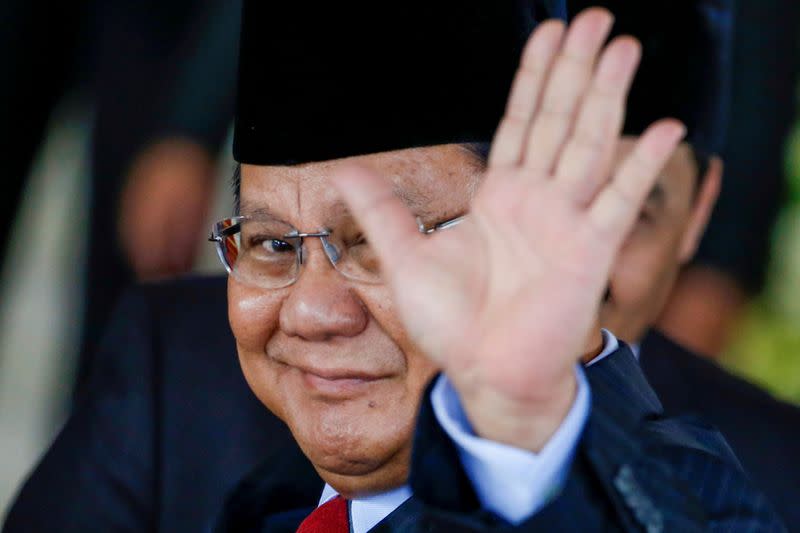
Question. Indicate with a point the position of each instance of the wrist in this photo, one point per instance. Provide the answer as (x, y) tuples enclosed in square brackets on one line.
[(525, 423)]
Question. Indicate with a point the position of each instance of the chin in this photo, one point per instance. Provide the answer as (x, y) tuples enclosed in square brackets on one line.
[(352, 438), (353, 461)]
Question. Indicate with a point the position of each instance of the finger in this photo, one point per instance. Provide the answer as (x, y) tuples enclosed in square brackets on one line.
[(586, 160), (525, 93), (617, 205), (382, 216), (565, 88)]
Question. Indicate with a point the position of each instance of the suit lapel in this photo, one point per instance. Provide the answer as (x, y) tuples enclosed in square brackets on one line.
[(619, 387), (446, 501), (275, 497), (661, 363), (404, 518), (643, 490)]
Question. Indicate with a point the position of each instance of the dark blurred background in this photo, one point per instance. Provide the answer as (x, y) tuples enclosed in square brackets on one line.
[(115, 120)]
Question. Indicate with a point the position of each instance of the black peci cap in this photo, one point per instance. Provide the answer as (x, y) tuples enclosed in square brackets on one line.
[(686, 64), (330, 80)]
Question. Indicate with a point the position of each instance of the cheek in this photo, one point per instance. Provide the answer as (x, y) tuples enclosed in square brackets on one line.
[(253, 316), (639, 284), (378, 302), (642, 272), (381, 307)]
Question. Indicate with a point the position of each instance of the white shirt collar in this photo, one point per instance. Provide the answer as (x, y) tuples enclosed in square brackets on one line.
[(610, 345), (635, 349), (365, 513)]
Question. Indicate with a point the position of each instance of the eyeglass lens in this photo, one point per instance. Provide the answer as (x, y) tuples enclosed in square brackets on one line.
[(265, 253)]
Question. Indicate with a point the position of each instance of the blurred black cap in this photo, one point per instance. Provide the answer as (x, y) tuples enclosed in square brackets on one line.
[(686, 64), (328, 80)]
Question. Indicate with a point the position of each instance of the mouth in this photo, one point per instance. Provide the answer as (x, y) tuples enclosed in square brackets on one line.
[(338, 382)]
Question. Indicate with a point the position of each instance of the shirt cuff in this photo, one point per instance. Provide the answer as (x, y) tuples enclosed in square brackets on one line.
[(511, 482)]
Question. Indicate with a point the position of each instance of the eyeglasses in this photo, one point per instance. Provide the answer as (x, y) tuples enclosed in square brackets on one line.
[(268, 253)]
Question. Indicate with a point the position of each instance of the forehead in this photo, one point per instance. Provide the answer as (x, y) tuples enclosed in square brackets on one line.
[(433, 181)]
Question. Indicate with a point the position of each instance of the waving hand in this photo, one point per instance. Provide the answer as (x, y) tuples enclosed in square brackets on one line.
[(504, 301)]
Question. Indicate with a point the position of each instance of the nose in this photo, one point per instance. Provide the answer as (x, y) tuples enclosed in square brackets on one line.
[(321, 304)]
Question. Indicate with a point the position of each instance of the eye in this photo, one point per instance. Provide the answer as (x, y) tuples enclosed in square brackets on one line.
[(363, 255), (277, 246), (358, 240), (268, 244), (648, 215)]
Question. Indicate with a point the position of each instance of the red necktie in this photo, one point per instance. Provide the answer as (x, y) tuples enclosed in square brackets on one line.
[(330, 517)]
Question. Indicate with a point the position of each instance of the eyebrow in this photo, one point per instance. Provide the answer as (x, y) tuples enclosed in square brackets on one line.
[(416, 202), (260, 212)]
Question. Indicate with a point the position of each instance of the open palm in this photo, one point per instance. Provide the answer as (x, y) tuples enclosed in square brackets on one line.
[(504, 301)]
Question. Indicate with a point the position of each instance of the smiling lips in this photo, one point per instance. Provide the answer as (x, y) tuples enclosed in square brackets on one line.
[(337, 382)]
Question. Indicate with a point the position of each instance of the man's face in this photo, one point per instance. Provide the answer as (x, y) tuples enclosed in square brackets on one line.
[(662, 241), (328, 355)]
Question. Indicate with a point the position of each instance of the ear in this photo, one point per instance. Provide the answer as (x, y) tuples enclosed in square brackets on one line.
[(701, 209)]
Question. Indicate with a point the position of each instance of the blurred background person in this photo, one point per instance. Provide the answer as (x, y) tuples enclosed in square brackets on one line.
[(739, 299), (761, 430), (158, 78), (154, 84), (164, 106), (730, 269)]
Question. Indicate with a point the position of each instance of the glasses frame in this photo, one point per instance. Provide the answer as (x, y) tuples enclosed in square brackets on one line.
[(218, 236)]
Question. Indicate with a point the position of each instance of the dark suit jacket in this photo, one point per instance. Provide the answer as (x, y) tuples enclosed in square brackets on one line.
[(634, 470), (167, 427), (764, 432)]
